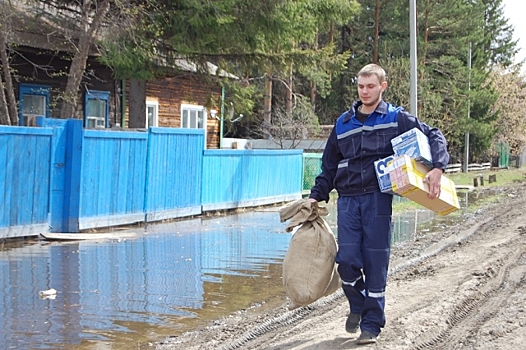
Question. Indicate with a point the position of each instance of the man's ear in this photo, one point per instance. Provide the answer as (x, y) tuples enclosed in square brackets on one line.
[(384, 86)]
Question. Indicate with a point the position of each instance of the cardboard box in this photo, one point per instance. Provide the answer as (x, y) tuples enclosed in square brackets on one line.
[(407, 180), (382, 168), (415, 144)]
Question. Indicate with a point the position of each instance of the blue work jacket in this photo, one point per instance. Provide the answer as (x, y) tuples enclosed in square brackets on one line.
[(353, 147)]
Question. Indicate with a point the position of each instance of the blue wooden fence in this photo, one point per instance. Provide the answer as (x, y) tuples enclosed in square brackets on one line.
[(62, 178), (25, 180), (244, 178), (175, 158), (113, 178)]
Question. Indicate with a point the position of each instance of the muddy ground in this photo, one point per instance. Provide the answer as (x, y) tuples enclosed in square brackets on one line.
[(461, 288)]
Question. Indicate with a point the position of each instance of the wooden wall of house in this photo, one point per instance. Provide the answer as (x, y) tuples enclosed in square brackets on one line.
[(185, 88), (50, 68)]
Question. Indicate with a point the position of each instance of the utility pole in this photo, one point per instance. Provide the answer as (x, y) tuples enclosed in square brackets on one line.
[(466, 141), (413, 40)]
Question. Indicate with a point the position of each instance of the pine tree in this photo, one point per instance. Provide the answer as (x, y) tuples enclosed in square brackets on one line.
[(252, 39), (498, 43)]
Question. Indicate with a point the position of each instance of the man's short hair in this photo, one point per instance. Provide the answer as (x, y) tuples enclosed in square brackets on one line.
[(373, 69)]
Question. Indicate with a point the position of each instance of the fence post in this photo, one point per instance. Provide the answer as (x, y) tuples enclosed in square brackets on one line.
[(73, 172)]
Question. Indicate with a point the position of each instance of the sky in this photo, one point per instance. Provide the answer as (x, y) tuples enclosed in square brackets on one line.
[(514, 11)]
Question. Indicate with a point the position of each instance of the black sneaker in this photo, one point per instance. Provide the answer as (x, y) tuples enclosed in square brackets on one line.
[(366, 338), (353, 323)]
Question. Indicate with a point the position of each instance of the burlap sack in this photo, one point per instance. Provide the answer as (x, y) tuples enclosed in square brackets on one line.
[(309, 270)]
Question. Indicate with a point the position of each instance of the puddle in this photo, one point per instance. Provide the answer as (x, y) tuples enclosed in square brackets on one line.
[(172, 278)]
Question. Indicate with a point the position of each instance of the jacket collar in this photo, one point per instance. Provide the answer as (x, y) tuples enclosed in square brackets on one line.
[(381, 109)]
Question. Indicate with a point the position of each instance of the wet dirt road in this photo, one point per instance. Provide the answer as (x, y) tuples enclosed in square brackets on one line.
[(462, 288)]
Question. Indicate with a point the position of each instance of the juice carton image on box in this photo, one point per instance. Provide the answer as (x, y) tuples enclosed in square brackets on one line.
[(415, 144), (407, 180), (382, 168)]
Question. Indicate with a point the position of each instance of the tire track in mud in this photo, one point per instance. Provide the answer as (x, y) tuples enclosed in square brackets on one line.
[(480, 307)]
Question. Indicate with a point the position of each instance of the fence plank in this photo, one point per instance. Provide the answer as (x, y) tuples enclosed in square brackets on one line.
[(453, 168)]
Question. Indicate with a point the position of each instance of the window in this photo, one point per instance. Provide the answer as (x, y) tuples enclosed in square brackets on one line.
[(193, 117), (152, 113), (34, 101), (96, 114), (96, 109)]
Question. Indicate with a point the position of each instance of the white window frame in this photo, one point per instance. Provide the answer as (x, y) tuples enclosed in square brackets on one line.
[(95, 122), (193, 108), (155, 105), (196, 108)]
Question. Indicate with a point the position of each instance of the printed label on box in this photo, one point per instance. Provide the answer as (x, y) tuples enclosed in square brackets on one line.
[(382, 168)]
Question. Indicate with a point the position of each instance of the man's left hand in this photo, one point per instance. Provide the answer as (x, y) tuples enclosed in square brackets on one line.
[(433, 179)]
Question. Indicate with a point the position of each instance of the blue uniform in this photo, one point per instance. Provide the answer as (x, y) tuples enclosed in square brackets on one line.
[(364, 213)]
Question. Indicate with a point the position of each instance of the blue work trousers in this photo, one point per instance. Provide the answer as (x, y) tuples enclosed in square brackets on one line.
[(364, 242)]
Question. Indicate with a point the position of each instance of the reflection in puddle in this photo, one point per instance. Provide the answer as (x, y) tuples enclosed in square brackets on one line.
[(406, 225), (172, 278), (128, 292)]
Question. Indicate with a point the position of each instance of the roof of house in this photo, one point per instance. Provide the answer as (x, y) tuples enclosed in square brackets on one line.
[(210, 68), (31, 30), (36, 32), (310, 145)]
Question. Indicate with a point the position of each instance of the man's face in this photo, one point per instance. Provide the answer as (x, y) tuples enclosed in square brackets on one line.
[(370, 90)]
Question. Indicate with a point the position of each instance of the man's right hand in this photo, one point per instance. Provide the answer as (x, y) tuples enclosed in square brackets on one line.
[(312, 200)]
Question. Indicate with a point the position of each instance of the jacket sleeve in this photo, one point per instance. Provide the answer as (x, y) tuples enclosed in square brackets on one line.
[(437, 141), (329, 165)]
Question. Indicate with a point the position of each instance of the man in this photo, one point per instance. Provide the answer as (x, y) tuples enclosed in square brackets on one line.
[(361, 136)]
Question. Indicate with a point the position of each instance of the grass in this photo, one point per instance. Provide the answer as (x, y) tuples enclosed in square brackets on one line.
[(401, 204), (504, 177)]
